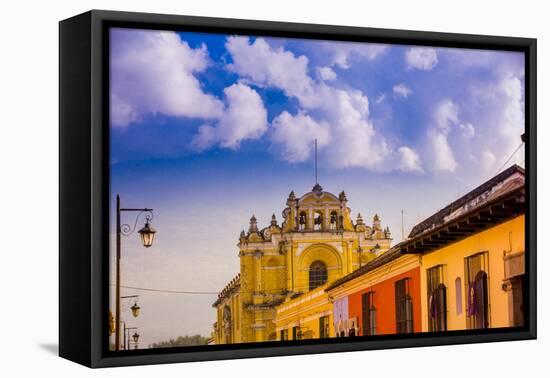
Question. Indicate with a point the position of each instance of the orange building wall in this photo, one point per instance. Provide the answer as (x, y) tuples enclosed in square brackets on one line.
[(384, 301)]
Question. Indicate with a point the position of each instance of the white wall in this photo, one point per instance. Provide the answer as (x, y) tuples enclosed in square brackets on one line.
[(28, 177)]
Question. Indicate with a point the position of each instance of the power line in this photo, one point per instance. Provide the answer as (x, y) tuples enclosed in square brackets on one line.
[(191, 292), (509, 158), (205, 292), (170, 291), (201, 292)]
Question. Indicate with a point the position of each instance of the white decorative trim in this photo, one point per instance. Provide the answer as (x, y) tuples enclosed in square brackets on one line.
[(301, 300), (296, 323), (279, 267), (334, 244), (337, 267)]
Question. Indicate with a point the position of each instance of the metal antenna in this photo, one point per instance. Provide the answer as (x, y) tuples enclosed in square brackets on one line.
[(316, 181)]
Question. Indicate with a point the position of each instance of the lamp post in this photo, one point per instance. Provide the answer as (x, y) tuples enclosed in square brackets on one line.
[(127, 336), (147, 234), (135, 336)]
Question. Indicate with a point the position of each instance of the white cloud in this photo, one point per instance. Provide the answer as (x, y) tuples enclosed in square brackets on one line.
[(342, 51), (409, 160), (326, 73), (244, 118), (354, 142), (402, 90), (446, 115), (468, 130), (488, 160), (270, 67), (380, 99), (296, 135), (444, 157), (422, 58), (153, 72), (513, 117), (506, 117), (499, 106)]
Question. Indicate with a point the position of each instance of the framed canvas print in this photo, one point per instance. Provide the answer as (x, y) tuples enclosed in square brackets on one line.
[(233, 188)]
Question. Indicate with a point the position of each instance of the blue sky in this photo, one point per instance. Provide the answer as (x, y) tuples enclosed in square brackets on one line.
[(208, 129)]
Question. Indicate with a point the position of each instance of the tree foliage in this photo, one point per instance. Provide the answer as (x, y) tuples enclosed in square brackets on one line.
[(181, 341)]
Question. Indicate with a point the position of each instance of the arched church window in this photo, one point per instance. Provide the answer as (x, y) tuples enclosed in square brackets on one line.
[(477, 304), (318, 221), (317, 274), (478, 301), (333, 220), (437, 299), (302, 221)]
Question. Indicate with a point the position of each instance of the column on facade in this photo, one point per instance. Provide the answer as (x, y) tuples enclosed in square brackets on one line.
[(288, 258), (351, 255), (257, 271), (348, 260), (219, 335), (234, 318), (259, 329)]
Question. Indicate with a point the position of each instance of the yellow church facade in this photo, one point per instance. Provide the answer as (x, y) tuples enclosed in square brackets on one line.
[(285, 268)]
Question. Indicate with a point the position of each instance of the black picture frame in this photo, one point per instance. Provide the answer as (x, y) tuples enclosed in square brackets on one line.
[(84, 186)]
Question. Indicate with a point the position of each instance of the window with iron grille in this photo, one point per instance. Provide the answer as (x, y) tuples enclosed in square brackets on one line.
[(437, 299), (368, 314), (403, 306), (317, 274), (477, 291), (295, 333), (323, 327)]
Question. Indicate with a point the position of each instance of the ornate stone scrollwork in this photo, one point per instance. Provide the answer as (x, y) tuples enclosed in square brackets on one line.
[(283, 247)]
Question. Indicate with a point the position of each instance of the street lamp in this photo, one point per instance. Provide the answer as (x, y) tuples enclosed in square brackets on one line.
[(147, 234), (135, 310), (135, 307), (135, 336)]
